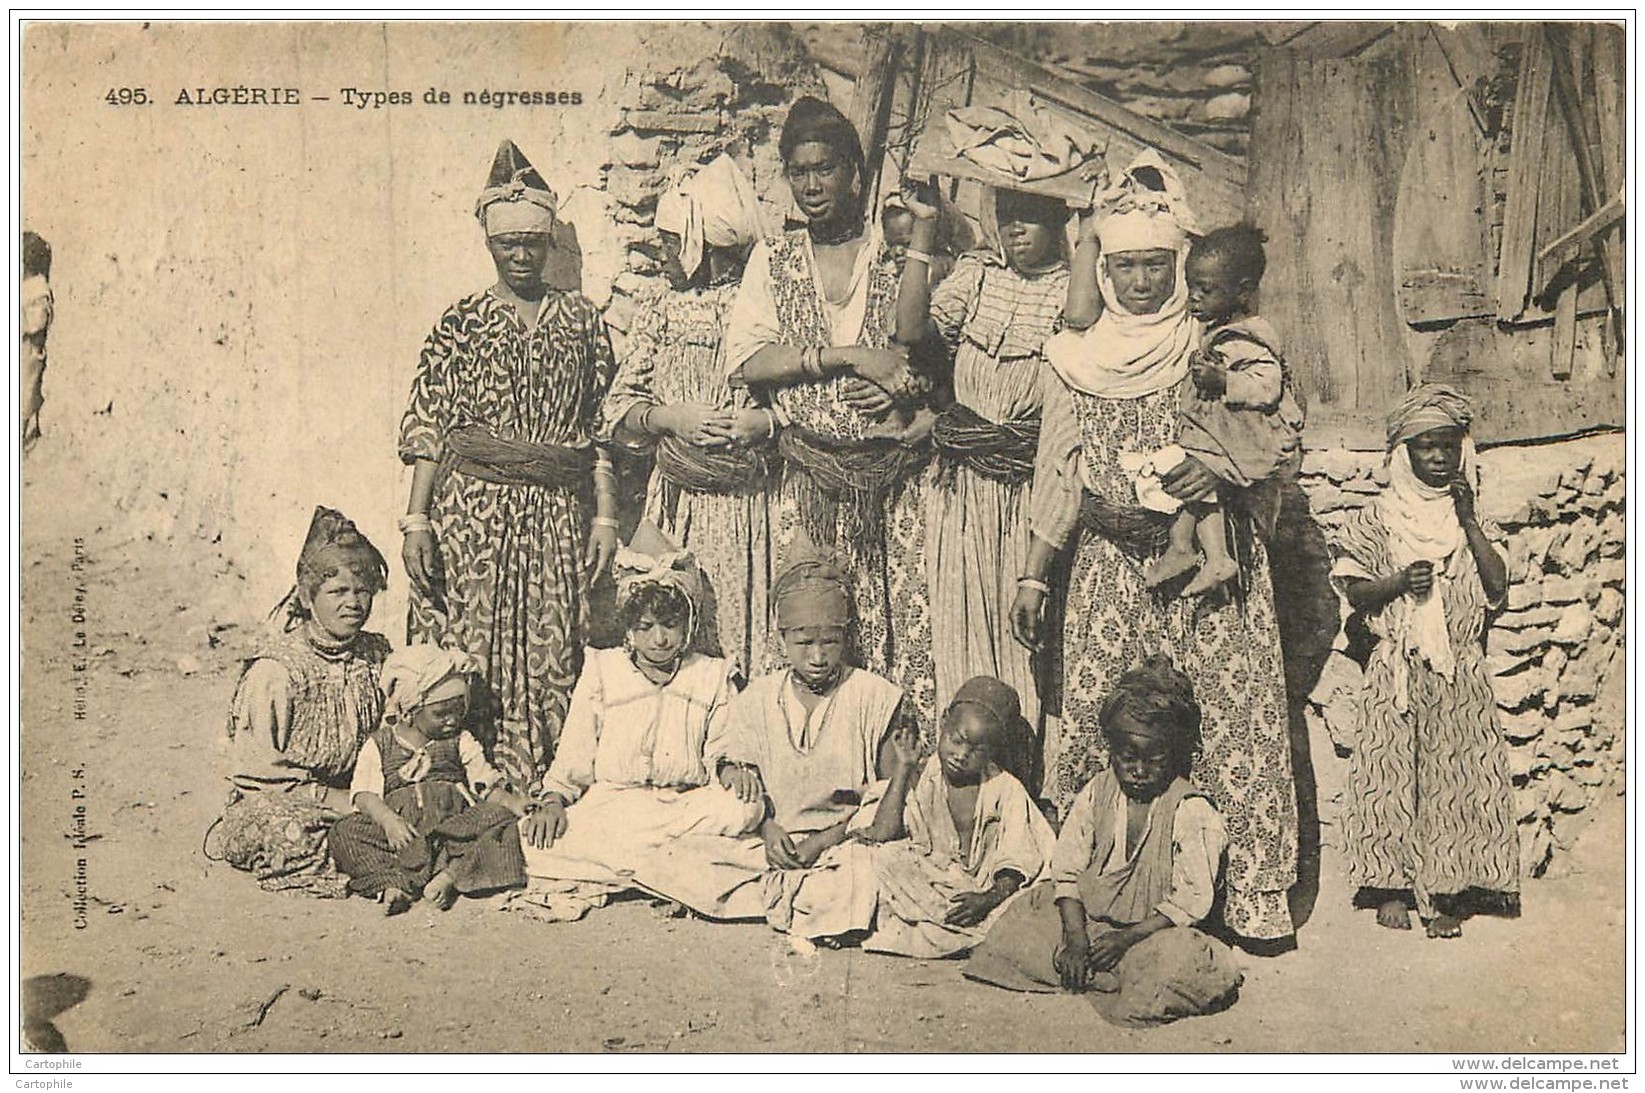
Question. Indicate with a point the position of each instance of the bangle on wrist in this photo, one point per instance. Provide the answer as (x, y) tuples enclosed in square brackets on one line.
[(642, 425), (1035, 583), (604, 522), (771, 425), (913, 255), (414, 521)]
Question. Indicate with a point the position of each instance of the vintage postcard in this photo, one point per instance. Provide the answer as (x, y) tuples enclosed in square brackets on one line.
[(1093, 541)]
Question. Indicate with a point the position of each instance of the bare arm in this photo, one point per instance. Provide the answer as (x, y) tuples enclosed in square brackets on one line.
[(914, 290), (1084, 305)]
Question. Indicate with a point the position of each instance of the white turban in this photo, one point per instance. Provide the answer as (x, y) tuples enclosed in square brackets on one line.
[(1141, 215), (714, 207), (413, 673)]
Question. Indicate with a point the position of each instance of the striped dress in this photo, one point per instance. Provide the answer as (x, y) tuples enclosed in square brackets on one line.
[(995, 321), (1429, 807)]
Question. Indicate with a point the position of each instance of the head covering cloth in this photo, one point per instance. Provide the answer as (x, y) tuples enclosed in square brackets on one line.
[(651, 560), (811, 591), (332, 542), (1123, 355), (810, 120), (411, 674), (515, 198), (1422, 526), (714, 207)]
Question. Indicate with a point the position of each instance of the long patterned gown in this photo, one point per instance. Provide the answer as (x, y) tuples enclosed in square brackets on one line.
[(513, 590), (1430, 806), (1229, 648)]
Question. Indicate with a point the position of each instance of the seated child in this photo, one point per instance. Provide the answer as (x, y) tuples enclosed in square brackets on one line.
[(1240, 419), (954, 838), (647, 723), (808, 742), (434, 819), (1134, 869)]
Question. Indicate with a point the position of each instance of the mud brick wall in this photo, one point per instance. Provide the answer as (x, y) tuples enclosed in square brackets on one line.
[(678, 118), (1556, 651)]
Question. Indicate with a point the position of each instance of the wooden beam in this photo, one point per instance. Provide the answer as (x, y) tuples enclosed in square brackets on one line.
[(1224, 169), (870, 111), (1516, 259), (1608, 214), (1570, 104)]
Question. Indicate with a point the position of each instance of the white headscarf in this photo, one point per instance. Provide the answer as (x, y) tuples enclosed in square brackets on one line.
[(1422, 526), (1123, 355), (716, 206), (411, 674)]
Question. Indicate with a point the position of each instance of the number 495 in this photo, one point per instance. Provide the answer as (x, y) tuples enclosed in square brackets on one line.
[(127, 96)]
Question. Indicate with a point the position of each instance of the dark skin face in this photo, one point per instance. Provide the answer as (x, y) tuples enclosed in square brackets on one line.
[(817, 654), (1142, 758), (823, 183), (1029, 230), (520, 258), (1215, 293), (1436, 455), (441, 718), (966, 745), (898, 227), (341, 604), (1143, 279)]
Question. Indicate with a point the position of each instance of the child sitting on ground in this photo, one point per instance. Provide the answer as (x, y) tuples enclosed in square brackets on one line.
[(1240, 419), (954, 838), (1134, 869), (435, 819)]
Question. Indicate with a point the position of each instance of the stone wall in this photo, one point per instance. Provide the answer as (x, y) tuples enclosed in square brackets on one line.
[(1555, 652)]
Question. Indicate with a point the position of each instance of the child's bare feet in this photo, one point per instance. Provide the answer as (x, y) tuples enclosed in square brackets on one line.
[(1394, 915), (1215, 573), (395, 902), (441, 891), (1445, 926), (1170, 565)]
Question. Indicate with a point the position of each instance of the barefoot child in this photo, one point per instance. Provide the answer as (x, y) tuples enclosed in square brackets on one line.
[(954, 838), (1240, 419), (1430, 812), (1134, 869), (435, 819)]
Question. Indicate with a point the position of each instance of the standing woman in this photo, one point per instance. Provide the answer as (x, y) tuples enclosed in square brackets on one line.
[(708, 490), (811, 331), (513, 509), (1082, 495), (993, 314)]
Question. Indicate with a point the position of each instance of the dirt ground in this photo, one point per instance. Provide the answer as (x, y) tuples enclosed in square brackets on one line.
[(185, 956)]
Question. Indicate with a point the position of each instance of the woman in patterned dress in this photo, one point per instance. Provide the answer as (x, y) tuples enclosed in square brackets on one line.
[(1430, 812), (811, 331), (708, 491), (513, 507), (1083, 496), (993, 314)]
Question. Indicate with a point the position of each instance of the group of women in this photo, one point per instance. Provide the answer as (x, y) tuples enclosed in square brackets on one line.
[(838, 442)]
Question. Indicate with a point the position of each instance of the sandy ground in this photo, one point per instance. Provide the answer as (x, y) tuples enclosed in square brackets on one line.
[(184, 956)]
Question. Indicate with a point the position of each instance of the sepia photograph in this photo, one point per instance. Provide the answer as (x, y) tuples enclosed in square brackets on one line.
[(803, 540)]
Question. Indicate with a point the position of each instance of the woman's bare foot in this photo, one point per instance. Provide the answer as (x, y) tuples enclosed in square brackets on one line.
[(441, 891), (1445, 926), (1394, 915), (395, 902), (1169, 566), (1215, 573)]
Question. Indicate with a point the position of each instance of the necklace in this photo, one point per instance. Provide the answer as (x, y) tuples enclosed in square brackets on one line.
[(649, 670), (849, 231)]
